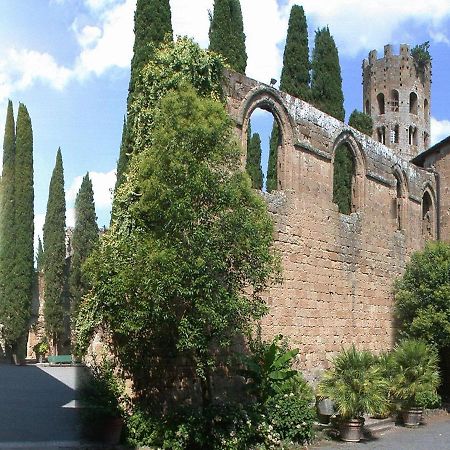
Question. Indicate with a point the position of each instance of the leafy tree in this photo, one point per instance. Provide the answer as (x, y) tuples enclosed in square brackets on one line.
[(226, 33), (422, 296), (200, 241), (84, 238), (253, 165), (361, 121), (12, 323), (152, 25), (326, 81), (55, 254), (294, 80), (24, 220), (343, 172), (40, 256)]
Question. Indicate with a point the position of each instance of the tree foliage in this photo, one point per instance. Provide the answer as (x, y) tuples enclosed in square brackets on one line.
[(55, 253), (326, 81), (200, 241), (422, 296), (226, 33), (12, 328), (361, 121), (295, 76), (152, 25), (84, 238), (23, 219), (253, 165), (343, 174)]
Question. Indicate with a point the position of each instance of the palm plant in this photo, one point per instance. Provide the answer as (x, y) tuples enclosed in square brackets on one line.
[(355, 385), (416, 373)]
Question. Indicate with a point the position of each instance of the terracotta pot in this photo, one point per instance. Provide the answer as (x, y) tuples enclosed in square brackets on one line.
[(351, 430), (111, 430), (412, 417)]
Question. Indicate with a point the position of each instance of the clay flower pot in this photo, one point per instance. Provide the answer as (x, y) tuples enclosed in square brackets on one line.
[(412, 417), (351, 430)]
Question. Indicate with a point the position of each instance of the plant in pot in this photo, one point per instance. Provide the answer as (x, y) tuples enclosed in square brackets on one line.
[(41, 349), (416, 378), (356, 386), (102, 398)]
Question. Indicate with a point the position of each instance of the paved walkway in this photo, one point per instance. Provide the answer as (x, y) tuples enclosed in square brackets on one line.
[(37, 404), (433, 436)]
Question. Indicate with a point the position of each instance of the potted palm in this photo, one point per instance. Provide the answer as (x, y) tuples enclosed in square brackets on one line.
[(416, 377), (356, 386)]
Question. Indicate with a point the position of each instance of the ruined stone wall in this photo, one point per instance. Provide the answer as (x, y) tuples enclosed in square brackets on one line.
[(439, 162), (338, 270)]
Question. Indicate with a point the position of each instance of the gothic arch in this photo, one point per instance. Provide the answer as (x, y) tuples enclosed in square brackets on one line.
[(429, 213), (270, 100), (401, 198), (347, 138)]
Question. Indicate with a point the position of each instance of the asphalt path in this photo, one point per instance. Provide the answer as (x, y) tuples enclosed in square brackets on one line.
[(38, 404), (435, 435)]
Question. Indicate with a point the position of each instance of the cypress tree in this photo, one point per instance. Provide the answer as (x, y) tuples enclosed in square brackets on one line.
[(84, 238), (295, 74), (272, 172), (343, 171), (326, 81), (253, 165), (226, 33), (294, 79), (39, 256), (24, 219), (152, 24), (55, 254), (12, 326)]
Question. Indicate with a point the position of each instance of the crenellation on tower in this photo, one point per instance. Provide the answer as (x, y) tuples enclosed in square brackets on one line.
[(396, 94)]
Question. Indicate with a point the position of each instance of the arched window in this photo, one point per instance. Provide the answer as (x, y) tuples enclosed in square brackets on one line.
[(395, 134), (426, 109), (344, 179), (367, 111), (413, 103), (394, 100), (381, 133), (428, 226), (380, 100), (412, 135), (398, 203)]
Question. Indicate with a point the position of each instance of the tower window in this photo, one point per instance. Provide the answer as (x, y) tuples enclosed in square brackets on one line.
[(426, 109), (394, 100), (413, 103), (412, 135), (395, 135), (380, 100), (426, 140), (367, 107), (381, 133)]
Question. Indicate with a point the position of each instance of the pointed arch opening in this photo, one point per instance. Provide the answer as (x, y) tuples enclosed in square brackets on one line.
[(394, 100), (413, 103), (380, 101), (399, 201), (428, 216)]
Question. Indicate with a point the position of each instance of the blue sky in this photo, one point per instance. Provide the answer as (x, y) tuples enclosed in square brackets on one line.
[(68, 61)]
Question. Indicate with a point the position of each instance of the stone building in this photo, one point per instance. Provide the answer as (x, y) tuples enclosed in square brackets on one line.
[(338, 269)]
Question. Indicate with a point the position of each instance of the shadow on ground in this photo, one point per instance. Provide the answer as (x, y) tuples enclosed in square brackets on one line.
[(37, 403)]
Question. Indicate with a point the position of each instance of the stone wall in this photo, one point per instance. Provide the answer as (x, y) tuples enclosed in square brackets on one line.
[(338, 270)]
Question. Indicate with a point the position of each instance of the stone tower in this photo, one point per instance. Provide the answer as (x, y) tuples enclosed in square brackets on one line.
[(396, 94)]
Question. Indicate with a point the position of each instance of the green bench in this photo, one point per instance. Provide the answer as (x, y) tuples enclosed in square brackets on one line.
[(60, 359)]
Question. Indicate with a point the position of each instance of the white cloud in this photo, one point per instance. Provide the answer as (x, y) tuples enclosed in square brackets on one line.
[(102, 185), (439, 37), (99, 4), (440, 129), (363, 25)]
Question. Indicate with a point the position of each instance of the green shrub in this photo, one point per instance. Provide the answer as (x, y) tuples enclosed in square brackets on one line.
[(428, 400)]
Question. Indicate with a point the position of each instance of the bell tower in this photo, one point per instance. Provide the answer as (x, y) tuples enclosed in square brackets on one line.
[(396, 94)]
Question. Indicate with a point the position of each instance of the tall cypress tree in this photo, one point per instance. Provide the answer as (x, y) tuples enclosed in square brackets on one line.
[(24, 218), (12, 328), (294, 79), (226, 33), (84, 238), (40, 256), (253, 165), (55, 254), (326, 81), (152, 24)]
